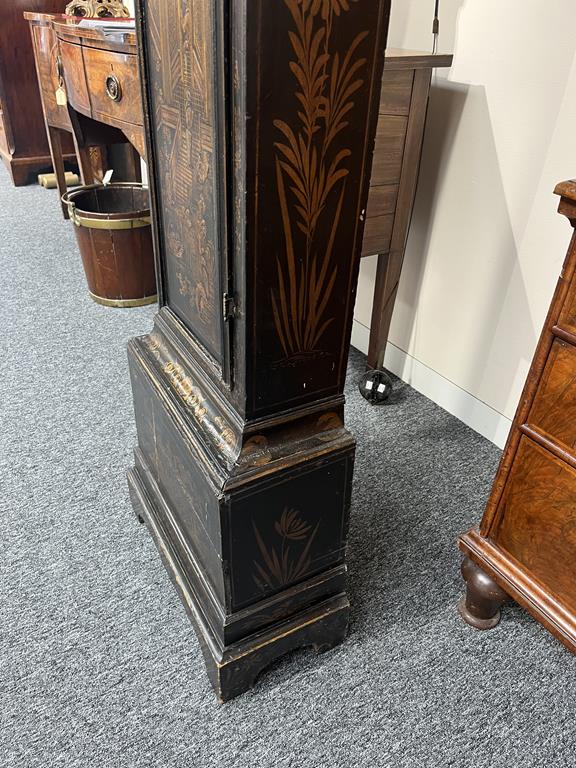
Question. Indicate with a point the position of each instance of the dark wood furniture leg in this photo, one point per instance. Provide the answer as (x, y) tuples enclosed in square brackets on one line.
[(85, 165), (481, 605), (55, 143), (388, 274)]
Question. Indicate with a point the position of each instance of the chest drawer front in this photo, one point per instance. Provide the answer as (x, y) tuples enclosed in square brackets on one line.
[(113, 85), (389, 149), (73, 67), (538, 519), (554, 408), (396, 91)]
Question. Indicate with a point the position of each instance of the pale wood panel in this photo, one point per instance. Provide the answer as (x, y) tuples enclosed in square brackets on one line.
[(388, 149), (396, 92), (382, 200)]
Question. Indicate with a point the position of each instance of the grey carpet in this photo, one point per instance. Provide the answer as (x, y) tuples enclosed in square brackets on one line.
[(99, 665)]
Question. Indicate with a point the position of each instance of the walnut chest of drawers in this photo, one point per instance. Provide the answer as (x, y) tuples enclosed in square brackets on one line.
[(526, 545)]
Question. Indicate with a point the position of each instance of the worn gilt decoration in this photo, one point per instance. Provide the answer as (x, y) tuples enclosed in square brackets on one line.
[(311, 168), (525, 546), (278, 569), (260, 119), (97, 9), (187, 140)]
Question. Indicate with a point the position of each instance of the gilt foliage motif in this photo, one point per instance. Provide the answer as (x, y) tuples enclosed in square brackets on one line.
[(288, 560), (311, 169)]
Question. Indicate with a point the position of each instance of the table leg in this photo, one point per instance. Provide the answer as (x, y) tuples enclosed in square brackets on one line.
[(55, 144), (387, 278)]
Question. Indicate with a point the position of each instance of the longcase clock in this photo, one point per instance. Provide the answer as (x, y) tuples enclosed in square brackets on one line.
[(260, 119)]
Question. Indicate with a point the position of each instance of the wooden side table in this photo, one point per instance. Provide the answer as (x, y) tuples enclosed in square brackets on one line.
[(403, 105)]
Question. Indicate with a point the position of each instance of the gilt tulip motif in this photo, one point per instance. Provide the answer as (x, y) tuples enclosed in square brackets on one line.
[(289, 560)]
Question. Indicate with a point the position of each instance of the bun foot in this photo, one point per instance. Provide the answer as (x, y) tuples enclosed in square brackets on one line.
[(481, 606)]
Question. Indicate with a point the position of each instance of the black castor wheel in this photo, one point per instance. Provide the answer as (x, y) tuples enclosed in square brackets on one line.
[(375, 386)]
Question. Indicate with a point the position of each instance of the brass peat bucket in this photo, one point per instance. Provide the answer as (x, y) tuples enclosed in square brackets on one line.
[(112, 225)]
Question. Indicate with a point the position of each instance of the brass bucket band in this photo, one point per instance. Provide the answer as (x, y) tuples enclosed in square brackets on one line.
[(92, 223), (83, 221)]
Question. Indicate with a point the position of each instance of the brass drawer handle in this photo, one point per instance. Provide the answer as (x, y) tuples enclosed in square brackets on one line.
[(113, 88)]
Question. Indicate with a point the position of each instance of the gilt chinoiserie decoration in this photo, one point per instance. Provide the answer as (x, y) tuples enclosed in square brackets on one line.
[(525, 547), (98, 9), (260, 118)]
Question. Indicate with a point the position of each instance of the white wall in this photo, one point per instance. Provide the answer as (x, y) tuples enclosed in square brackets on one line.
[(486, 244)]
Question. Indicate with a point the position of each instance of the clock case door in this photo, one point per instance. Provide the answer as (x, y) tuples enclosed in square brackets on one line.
[(185, 87)]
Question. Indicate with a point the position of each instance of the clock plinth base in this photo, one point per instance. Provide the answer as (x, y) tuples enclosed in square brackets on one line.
[(233, 669)]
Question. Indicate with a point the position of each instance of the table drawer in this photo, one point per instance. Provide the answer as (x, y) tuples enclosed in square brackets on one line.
[(382, 200), (554, 409), (396, 91), (114, 85), (389, 149), (73, 67), (377, 235)]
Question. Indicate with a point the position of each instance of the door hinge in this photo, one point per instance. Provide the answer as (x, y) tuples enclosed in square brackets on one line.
[(228, 307)]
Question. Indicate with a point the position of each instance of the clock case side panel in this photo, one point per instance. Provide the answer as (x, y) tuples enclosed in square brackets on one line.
[(300, 290)]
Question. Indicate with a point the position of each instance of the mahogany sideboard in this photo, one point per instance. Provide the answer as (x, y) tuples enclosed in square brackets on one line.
[(99, 103), (403, 105), (525, 547), (23, 143)]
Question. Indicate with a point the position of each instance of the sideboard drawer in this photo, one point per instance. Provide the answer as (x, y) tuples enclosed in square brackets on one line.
[(389, 149), (554, 409), (73, 67), (114, 85), (49, 66)]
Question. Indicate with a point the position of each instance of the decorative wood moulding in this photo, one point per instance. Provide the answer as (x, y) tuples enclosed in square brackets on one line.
[(525, 547), (260, 120), (97, 8)]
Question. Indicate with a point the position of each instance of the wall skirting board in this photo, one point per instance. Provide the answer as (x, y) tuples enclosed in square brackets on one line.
[(473, 412)]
